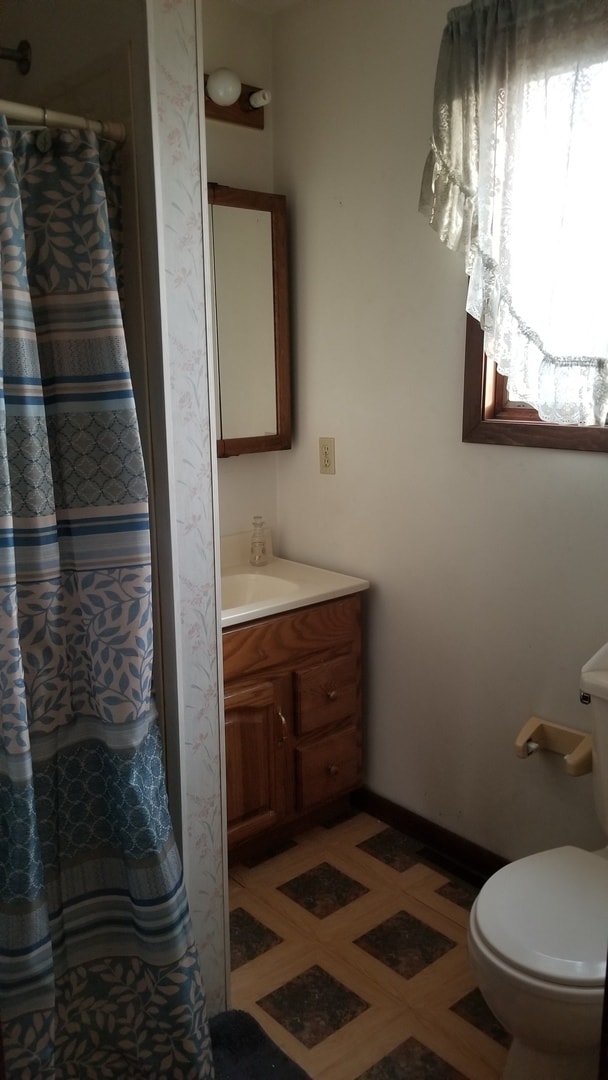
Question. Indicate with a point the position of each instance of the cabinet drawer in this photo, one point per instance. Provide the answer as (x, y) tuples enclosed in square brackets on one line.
[(328, 768), (284, 642), (326, 694)]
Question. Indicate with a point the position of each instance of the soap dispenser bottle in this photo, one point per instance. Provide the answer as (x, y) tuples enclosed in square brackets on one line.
[(258, 544)]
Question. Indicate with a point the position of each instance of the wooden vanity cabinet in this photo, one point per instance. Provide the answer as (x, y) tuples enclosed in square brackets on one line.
[(292, 698)]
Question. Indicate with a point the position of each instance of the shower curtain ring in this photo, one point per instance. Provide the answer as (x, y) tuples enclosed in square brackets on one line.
[(44, 139)]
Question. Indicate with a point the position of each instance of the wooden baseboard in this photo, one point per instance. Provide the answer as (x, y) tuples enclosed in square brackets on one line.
[(459, 856), (468, 860)]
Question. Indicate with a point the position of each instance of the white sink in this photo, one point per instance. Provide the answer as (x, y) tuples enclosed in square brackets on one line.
[(253, 592), (239, 588)]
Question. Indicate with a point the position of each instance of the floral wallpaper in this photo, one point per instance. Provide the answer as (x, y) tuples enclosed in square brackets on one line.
[(173, 35)]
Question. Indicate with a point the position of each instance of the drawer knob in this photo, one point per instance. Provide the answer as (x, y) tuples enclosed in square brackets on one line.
[(332, 694), (333, 770)]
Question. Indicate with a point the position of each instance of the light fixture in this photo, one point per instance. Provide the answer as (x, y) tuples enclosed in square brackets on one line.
[(226, 98), (223, 86), (259, 98)]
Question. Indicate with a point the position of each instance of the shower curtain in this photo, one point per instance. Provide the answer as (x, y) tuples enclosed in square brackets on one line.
[(99, 975)]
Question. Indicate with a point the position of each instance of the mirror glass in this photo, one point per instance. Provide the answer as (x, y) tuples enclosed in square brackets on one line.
[(249, 252)]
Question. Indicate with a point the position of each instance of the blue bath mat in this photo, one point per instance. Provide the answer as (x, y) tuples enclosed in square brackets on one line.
[(243, 1051)]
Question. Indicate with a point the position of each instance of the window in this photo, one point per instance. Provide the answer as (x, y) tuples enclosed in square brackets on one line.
[(488, 417), (510, 181)]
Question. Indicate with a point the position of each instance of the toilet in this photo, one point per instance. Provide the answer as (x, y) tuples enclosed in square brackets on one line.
[(538, 935)]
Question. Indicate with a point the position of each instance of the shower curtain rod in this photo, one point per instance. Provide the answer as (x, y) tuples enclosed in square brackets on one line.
[(32, 114)]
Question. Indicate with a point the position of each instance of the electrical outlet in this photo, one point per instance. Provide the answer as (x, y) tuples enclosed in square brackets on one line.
[(327, 455)]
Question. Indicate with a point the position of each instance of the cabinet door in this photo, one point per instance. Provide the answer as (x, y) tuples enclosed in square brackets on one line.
[(257, 729)]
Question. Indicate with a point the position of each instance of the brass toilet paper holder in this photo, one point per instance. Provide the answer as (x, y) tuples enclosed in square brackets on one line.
[(573, 745)]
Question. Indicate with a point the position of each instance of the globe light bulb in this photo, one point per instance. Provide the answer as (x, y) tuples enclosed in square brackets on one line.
[(223, 86)]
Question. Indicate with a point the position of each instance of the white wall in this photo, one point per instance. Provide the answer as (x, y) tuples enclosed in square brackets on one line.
[(240, 39), (487, 563)]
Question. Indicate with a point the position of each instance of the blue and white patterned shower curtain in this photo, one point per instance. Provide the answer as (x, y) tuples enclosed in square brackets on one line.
[(99, 975)]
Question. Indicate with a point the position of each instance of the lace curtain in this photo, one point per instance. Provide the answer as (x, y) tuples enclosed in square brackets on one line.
[(515, 179)]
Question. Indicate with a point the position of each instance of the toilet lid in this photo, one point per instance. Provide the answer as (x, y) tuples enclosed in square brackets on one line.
[(547, 914)]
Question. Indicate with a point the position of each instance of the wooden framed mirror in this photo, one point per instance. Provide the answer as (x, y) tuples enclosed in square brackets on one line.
[(251, 320)]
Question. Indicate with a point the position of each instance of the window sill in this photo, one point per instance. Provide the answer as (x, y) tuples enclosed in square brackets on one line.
[(480, 426)]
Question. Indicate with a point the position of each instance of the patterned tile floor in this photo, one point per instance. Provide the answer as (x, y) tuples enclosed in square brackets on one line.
[(349, 948)]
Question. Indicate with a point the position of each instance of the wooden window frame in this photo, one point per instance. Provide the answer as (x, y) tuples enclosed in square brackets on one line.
[(486, 420)]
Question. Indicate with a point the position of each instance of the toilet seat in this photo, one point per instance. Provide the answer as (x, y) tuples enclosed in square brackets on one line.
[(547, 916)]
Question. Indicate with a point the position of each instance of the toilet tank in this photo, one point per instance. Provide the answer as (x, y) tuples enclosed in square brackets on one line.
[(594, 692)]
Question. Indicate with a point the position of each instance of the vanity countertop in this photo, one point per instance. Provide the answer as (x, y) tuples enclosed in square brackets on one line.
[(252, 592)]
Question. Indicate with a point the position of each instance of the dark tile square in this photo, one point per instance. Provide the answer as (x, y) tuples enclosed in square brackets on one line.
[(323, 890), (405, 944), (414, 1061), (248, 938), (401, 852), (459, 892), (474, 1009), (313, 1006), (393, 848)]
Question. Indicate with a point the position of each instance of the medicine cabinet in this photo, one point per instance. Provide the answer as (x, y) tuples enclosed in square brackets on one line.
[(251, 320)]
